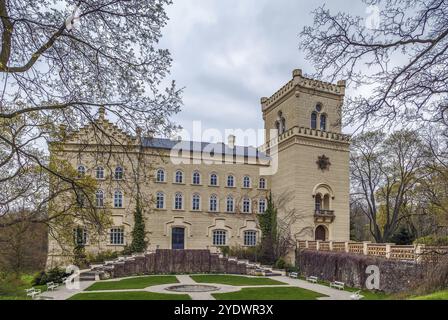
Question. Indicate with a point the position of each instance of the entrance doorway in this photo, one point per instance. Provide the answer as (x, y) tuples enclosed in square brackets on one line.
[(178, 238), (320, 233)]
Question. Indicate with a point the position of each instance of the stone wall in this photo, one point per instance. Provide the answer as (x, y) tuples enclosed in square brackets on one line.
[(166, 261), (395, 275)]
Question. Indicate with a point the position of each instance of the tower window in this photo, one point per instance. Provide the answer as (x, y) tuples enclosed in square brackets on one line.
[(313, 120), (323, 122), (318, 107)]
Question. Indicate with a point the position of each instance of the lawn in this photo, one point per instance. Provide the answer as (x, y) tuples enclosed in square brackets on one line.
[(132, 283), (235, 280), (135, 295), (439, 295), (275, 293)]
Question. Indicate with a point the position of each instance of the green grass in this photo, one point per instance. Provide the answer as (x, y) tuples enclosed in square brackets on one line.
[(235, 280), (275, 293), (439, 295), (135, 295), (132, 283)]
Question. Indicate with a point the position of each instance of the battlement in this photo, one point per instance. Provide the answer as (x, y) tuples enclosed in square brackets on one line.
[(299, 81), (306, 132)]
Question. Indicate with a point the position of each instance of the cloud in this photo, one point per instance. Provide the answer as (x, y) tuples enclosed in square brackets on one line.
[(228, 54)]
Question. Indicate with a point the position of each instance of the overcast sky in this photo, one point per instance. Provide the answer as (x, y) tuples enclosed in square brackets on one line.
[(228, 54)]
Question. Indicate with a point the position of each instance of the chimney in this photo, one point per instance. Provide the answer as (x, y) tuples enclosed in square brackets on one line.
[(231, 141)]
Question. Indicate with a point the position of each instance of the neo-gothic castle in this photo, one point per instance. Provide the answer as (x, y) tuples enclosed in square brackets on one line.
[(206, 195)]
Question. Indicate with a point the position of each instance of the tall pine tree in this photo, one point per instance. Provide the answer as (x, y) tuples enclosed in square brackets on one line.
[(268, 226), (138, 233)]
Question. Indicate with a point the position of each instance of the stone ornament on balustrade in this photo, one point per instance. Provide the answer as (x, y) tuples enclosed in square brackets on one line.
[(416, 253)]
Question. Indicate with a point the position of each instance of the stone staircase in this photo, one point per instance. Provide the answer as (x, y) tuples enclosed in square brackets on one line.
[(176, 261)]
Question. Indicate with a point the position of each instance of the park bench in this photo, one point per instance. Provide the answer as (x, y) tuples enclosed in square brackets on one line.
[(356, 295), (337, 284), (51, 286), (311, 279), (293, 275), (32, 292)]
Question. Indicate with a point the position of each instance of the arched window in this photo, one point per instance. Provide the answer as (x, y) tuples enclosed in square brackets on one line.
[(179, 178), (196, 177), (99, 172), (160, 200), (246, 182), (230, 204), (283, 120), (196, 202), (178, 201), (219, 237), (118, 199), (99, 197), (250, 238), (213, 179), (118, 173), (230, 181), (213, 203), (262, 183), (160, 176), (323, 122), (81, 171), (246, 205), (313, 120), (262, 205), (318, 202)]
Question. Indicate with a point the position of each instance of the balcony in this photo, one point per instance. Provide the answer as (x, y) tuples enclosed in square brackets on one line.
[(323, 215)]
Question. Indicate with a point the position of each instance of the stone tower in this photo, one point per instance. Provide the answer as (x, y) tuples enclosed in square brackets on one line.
[(313, 157)]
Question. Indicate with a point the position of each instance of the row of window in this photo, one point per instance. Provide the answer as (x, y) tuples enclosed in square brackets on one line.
[(116, 237), (99, 172), (196, 179), (213, 203), (178, 202), (280, 123)]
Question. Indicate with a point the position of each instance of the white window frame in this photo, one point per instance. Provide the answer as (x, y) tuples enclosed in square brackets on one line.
[(230, 177), (219, 237), (118, 199), (246, 204), (116, 236), (196, 202), (260, 202), (99, 173), (211, 179), (232, 201), (81, 171), (250, 238), (213, 203), (160, 175), (179, 177), (160, 200), (246, 182), (99, 200), (196, 176), (119, 173), (262, 185), (177, 196)]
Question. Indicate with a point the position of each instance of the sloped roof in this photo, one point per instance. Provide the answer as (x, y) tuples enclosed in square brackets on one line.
[(196, 146)]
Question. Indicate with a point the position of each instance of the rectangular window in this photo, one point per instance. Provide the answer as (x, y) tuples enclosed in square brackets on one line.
[(250, 238), (81, 236), (219, 238), (117, 236)]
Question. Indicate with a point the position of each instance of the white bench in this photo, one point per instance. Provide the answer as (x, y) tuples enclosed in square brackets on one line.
[(337, 284), (293, 275), (356, 296), (51, 286), (32, 292), (311, 279)]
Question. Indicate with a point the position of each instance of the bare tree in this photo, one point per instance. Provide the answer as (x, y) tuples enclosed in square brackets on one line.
[(384, 173), (401, 61), (59, 63)]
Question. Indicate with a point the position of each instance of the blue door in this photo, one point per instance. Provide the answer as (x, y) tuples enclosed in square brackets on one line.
[(178, 238)]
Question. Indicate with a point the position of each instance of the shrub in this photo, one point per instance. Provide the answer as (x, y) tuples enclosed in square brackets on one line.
[(280, 264), (53, 275), (432, 241), (225, 250), (249, 253)]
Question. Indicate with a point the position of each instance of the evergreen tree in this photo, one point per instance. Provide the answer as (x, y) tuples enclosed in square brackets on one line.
[(79, 252), (268, 226), (138, 233)]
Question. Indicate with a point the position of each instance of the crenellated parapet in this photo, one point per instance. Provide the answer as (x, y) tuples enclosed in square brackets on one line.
[(298, 82)]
